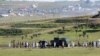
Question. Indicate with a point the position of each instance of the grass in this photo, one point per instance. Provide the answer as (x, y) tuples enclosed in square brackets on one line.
[(51, 52), (72, 35)]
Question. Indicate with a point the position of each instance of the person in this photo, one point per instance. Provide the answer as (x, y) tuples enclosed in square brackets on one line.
[(54, 44), (46, 44), (98, 43), (17, 44), (9, 45), (27, 45), (63, 44), (94, 44), (13, 43), (90, 44), (69, 45), (78, 44), (40, 44), (20, 44), (33, 45), (73, 44), (43, 44), (24, 44), (37, 44), (85, 44)]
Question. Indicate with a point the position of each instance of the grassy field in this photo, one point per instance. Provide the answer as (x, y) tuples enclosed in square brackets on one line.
[(31, 27), (51, 52), (70, 35)]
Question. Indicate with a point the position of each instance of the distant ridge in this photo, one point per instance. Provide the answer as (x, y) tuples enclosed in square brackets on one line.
[(37, 0)]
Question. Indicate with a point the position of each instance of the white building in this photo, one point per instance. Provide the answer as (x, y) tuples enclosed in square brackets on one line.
[(4, 15)]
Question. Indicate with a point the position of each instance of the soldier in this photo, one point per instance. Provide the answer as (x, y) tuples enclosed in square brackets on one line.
[(48, 44), (90, 44), (52, 43), (43, 44), (40, 43), (13, 43), (20, 44), (79, 44), (17, 44)]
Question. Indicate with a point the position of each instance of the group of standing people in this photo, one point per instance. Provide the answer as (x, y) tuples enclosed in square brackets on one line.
[(95, 44), (56, 43)]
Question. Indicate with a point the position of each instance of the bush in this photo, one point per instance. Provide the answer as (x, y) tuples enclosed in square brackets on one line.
[(91, 31), (37, 25), (10, 32)]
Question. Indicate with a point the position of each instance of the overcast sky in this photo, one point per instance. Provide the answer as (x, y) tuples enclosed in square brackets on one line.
[(51, 0), (60, 0)]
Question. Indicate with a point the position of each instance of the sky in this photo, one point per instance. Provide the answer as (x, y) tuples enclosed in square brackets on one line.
[(61, 0), (50, 0), (53, 0)]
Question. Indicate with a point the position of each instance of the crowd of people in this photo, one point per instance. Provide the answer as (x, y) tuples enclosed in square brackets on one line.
[(56, 43)]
